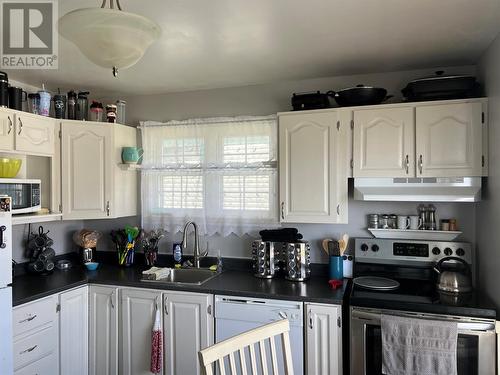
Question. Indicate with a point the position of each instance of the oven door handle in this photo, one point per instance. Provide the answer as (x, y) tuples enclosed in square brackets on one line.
[(476, 326)]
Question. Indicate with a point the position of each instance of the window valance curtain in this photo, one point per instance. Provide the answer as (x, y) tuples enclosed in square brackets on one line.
[(219, 172)]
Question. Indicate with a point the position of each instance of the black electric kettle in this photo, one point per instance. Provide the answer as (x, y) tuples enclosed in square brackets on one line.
[(453, 277)]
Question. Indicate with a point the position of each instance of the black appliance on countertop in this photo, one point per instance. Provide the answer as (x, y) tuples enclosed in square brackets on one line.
[(410, 291)]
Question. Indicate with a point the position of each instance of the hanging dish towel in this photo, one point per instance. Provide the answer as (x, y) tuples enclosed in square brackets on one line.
[(156, 344), (418, 346)]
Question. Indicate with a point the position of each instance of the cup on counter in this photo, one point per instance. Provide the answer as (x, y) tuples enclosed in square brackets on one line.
[(336, 268), (415, 222), (347, 266), (403, 222)]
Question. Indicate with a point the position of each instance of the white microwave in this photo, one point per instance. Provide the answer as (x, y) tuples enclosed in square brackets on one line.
[(25, 194)]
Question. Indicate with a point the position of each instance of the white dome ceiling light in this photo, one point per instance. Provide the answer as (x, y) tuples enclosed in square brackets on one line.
[(109, 37)]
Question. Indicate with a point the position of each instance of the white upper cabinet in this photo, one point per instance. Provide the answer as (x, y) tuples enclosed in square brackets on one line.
[(86, 159), (6, 130), (449, 140), (93, 184), (313, 167), (35, 134), (384, 142), (428, 139)]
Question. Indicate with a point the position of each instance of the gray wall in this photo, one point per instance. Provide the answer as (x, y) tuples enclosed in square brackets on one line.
[(488, 211), (258, 100), (60, 232), (272, 98)]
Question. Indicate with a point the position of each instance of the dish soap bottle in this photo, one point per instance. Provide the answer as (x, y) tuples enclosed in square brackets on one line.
[(177, 250)]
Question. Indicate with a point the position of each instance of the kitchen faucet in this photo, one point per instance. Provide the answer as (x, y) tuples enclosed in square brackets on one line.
[(196, 248)]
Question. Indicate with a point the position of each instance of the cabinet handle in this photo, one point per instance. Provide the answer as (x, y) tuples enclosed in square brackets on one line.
[(209, 309), (10, 125), (420, 164), (107, 208), (111, 299), (165, 305), (310, 320), (28, 319), (338, 209), (20, 126), (407, 164), (29, 349), (338, 125), (283, 210)]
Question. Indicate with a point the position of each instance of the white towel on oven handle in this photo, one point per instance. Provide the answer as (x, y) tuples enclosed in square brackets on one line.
[(418, 346)]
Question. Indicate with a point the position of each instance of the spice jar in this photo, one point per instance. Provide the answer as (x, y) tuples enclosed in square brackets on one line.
[(453, 225), (111, 113), (120, 111), (445, 225), (96, 111)]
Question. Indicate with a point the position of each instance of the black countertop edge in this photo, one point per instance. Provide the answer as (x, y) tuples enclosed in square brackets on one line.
[(474, 312), (29, 287)]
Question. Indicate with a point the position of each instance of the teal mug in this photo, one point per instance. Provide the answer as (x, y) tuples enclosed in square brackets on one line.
[(131, 155)]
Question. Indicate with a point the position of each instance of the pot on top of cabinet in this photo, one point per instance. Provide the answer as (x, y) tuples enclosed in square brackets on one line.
[(360, 95), (4, 89)]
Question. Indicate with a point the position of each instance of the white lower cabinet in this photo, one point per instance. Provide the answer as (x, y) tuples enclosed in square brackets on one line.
[(36, 332), (323, 339), (188, 326), (138, 307), (73, 328), (103, 330)]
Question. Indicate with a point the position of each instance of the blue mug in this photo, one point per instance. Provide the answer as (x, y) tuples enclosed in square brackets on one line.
[(131, 155), (336, 268)]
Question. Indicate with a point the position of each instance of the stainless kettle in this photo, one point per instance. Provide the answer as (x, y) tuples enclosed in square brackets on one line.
[(453, 278)]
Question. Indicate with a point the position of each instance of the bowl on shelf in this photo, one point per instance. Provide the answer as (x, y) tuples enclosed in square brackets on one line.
[(9, 168), (91, 266)]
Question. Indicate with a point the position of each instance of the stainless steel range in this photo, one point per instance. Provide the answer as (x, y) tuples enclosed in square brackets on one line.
[(397, 277)]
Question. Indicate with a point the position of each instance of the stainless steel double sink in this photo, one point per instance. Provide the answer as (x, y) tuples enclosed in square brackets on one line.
[(190, 276)]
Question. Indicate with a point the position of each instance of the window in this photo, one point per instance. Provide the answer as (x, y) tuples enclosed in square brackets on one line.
[(221, 173)]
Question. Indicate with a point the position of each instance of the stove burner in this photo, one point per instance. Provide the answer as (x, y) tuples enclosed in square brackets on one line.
[(376, 283)]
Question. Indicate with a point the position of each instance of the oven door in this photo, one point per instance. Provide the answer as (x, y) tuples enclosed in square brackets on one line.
[(475, 350)]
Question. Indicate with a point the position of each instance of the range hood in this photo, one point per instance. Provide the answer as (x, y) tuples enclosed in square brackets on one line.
[(448, 189)]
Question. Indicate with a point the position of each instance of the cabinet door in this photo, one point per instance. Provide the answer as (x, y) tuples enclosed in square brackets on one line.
[(138, 309), (73, 331), (312, 168), (384, 143), (103, 335), (188, 328), (324, 339), (35, 134), (6, 130), (449, 140), (87, 162)]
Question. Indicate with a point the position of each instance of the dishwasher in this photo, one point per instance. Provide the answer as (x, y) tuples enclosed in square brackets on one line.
[(235, 315)]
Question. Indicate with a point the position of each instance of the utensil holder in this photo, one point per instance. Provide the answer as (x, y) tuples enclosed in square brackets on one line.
[(336, 268), (126, 254)]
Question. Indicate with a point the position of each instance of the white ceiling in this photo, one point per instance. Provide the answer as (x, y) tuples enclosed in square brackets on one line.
[(223, 43)]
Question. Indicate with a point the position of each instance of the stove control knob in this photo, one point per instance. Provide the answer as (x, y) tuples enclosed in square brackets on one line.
[(436, 251), (460, 252), (448, 251), (375, 248), (364, 247)]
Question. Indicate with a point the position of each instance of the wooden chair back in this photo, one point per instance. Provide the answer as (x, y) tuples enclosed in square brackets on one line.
[(237, 346)]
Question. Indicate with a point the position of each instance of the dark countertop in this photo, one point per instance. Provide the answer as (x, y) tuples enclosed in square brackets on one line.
[(29, 287)]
